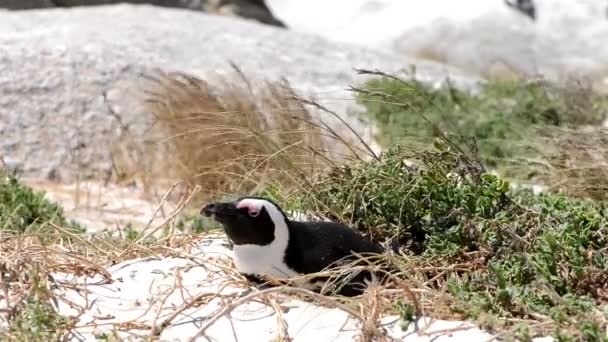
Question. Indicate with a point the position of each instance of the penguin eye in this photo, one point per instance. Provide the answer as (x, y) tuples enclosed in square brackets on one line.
[(254, 213)]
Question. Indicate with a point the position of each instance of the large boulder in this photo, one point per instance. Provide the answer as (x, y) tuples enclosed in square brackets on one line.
[(188, 4), (486, 37), (26, 4), (251, 9), (31, 4), (70, 79), (563, 41)]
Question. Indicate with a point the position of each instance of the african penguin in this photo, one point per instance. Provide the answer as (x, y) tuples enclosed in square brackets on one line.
[(267, 243)]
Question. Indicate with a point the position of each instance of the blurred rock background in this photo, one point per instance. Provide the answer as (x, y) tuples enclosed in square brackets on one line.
[(72, 73), (485, 37), (252, 9)]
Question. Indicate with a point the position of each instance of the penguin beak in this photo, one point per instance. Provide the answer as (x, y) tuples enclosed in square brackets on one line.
[(219, 210)]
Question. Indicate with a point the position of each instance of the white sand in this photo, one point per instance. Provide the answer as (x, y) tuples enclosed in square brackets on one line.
[(147, 291)]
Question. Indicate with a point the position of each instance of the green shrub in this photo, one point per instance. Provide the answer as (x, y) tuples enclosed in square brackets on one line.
[(23, 210), (38, 320), (522, 255), (510, 120), (414, 204)]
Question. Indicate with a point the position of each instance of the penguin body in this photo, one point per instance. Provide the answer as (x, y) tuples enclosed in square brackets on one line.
[(267, 243)]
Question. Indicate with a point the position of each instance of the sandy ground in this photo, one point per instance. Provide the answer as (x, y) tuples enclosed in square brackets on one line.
[(98, 206), (199, 296)]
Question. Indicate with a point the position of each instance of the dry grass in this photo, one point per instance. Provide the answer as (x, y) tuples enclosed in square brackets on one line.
[(29, 261), (30, 294), (28, 265), (232, 137), (579, 165), (229, 135)]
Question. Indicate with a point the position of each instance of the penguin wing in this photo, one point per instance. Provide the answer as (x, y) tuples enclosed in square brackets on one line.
[(316, 245)]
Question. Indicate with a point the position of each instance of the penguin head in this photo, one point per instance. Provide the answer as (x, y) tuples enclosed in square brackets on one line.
[(249, 220)]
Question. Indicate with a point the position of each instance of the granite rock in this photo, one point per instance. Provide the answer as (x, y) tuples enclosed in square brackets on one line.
[(70, 79)]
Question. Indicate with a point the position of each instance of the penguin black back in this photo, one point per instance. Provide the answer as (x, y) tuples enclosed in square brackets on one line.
[(316, 246)]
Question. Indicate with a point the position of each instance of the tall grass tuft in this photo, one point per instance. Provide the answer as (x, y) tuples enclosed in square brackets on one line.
[(232, 137)]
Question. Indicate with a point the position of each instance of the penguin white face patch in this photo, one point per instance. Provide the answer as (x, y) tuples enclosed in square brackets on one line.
[(264, 259)]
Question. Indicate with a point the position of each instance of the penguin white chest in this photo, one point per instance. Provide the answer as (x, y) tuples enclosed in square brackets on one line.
[(262, 260)]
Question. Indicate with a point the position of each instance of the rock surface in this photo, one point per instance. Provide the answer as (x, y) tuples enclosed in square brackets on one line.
[(26, 4), (252, 9), (562, 42), (67, 77), (480, 36)]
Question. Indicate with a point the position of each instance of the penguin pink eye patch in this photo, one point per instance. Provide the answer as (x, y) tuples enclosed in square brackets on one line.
[(252, 210)]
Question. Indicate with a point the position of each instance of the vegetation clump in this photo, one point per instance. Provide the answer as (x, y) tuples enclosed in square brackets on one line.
[(226, 136), (580, 165), (23, 210), (514, 122), (510, 254), (29, 224), (37, 319)]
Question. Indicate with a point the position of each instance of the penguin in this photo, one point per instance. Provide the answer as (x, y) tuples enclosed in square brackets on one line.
[(267, 243)]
